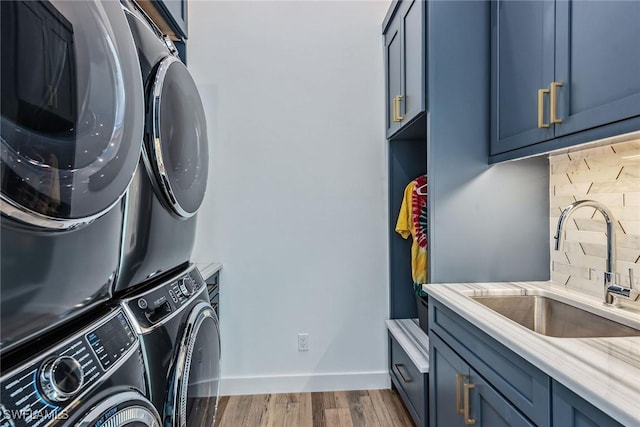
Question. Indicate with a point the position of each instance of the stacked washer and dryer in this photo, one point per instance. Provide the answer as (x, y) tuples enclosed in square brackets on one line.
[(104, 321)]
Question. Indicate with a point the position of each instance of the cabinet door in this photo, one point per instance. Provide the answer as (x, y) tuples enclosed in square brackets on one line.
[(490, 409), (175, 12), (597, 62), (413, 38), (522, 59), (393, 58), (447, 375), (570, 410)]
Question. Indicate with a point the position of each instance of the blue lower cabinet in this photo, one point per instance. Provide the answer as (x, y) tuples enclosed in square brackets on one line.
[(475, 380), (489, 408), (411, 384), (461, 397), (570, 410), (448, 374)]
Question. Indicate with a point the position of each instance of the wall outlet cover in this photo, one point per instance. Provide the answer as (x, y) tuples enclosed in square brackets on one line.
[(303, 342)]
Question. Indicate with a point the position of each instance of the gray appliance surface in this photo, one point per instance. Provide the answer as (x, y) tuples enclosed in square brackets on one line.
[(72, 109), (48, 277), (180, 339), (170, 180), (94, 376)]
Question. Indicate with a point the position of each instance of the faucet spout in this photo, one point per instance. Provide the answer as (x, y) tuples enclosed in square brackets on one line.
[(609, 275)]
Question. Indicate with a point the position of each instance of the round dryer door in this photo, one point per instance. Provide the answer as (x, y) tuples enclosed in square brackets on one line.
[(177, 139), (72, 110), (196, 377), (129, 409)]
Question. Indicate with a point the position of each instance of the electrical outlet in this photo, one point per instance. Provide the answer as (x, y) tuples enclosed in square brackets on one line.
[(303, 342)]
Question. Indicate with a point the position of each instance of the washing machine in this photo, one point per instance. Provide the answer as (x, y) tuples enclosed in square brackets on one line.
[(170, 182), (93, 377), (180, 339), (71, 123)]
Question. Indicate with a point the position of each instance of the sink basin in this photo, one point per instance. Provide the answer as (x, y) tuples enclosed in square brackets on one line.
[(554, 318)]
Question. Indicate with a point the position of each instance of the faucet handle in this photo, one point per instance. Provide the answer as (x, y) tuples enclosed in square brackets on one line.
[(558, 239)]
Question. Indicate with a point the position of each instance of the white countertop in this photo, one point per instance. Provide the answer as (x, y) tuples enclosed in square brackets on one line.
[(208, 269), (603, 371)]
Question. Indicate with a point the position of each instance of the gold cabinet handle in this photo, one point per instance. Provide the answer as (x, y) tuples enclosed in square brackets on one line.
[(467, 419), (395, 109), (406, 380), (459, 379), (553, 101), (541, 123)]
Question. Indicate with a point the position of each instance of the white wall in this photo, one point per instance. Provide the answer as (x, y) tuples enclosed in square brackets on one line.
[(296, 204)]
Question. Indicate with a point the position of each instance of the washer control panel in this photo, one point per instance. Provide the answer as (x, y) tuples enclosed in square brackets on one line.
[(37, 393), (157, 304)]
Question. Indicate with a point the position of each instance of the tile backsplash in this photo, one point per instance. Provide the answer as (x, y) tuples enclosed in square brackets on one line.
[(611, 175)]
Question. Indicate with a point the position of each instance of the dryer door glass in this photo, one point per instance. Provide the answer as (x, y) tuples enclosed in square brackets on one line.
[(71, 110), (127, 408), (178, 141), (197, 391)]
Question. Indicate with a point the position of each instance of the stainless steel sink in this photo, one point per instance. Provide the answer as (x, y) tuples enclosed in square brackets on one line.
[(554, 318)]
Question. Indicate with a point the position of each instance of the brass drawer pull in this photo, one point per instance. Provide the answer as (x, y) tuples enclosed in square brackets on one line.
[(396, 109), (553, 102), (467, 419), (541, 123), (406, 380), (400, 118), (459, 379)]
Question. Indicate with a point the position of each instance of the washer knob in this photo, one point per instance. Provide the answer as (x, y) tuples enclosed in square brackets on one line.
[(61, 378), (184, 287)]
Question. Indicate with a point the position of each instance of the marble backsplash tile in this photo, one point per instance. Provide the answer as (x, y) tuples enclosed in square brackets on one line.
[(611, 175)]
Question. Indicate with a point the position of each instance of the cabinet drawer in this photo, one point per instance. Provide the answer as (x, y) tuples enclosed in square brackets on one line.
[(519, 381), (409, 378)]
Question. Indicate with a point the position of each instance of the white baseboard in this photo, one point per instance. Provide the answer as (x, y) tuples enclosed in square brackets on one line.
[(305, 383)]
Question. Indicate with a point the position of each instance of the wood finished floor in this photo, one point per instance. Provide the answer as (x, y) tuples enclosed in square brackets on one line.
[(372, 408)]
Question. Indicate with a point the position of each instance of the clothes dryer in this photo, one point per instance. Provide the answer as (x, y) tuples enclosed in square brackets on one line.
[(95, 377), (181, 347), (70, 128), (170, 182)]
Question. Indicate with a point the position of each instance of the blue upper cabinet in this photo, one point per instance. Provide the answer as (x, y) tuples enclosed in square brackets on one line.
[(393, 58), (561, 70), (405, 54), (597, 62), (522, 65)]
